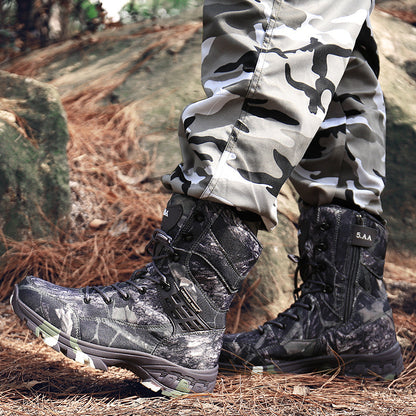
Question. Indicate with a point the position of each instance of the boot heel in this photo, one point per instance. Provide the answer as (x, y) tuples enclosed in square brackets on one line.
[(386, 365)]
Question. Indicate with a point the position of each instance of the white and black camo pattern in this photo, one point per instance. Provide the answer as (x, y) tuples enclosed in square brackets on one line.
[(174, 308), (289, 84), (343, 306)]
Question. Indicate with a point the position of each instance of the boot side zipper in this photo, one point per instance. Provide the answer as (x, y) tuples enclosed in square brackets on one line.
[(352, 274)]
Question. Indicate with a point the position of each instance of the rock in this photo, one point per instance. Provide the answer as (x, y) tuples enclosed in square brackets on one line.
[(403, 9), (401, 287), (402, 295), (300, 390), (397, 45), (34, 189)]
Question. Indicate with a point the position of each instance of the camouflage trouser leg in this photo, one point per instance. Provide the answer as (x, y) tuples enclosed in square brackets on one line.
[(270, 70), (346, 159)]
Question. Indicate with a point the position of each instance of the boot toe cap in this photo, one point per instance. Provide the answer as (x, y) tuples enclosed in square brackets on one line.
[(49, 302)]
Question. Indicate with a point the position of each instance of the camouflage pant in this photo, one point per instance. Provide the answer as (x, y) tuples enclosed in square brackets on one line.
[(292, 92)]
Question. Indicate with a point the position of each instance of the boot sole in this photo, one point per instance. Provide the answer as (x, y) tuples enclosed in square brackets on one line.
[(386, 365), (155, 373)]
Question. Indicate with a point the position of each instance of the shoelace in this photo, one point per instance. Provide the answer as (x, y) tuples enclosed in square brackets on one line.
[(159, 240), (309, 285)]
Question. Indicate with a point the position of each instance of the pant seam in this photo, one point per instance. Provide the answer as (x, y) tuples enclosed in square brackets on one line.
[(252, 88)]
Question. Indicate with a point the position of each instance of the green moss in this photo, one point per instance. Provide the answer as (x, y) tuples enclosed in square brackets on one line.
[(34, 175)]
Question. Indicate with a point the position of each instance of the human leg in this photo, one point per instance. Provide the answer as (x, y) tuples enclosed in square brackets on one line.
[(345, 161), (269, 69), (341, 316)]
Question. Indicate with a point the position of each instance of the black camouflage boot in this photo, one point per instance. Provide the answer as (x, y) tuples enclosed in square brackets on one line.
[(166, 323), (341, 317)]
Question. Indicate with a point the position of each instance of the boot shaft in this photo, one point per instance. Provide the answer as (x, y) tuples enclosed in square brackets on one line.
[(341, 315), (347, 249), (209, 253)]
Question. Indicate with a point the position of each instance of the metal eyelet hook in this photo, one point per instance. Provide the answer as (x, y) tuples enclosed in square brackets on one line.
[(294, 258)]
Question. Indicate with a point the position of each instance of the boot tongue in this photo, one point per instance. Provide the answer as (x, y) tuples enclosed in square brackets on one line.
[(174, 216), (176, 213), (171, 216), (309, 275)]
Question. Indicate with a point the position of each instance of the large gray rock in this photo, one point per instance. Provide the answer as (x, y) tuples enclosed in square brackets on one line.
[(34, 178), (397, 45), (269, 286), (406, 7)]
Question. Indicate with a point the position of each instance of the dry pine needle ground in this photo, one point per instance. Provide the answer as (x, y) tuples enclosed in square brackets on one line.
[(38, 380)]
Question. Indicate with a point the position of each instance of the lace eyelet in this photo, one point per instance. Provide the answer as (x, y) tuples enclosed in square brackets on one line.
[(87, 301), (142, 290), (199, 217), (125, 297), (108, 301), (324, 226), (176, 257), (322, 247), (188, 237), (328, 289), (166, 286)]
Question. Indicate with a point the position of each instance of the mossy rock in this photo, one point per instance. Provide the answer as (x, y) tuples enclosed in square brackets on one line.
[(34, 174), (397, 41)]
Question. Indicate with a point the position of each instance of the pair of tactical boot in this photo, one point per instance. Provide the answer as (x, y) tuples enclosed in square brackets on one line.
[(167, 322)]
